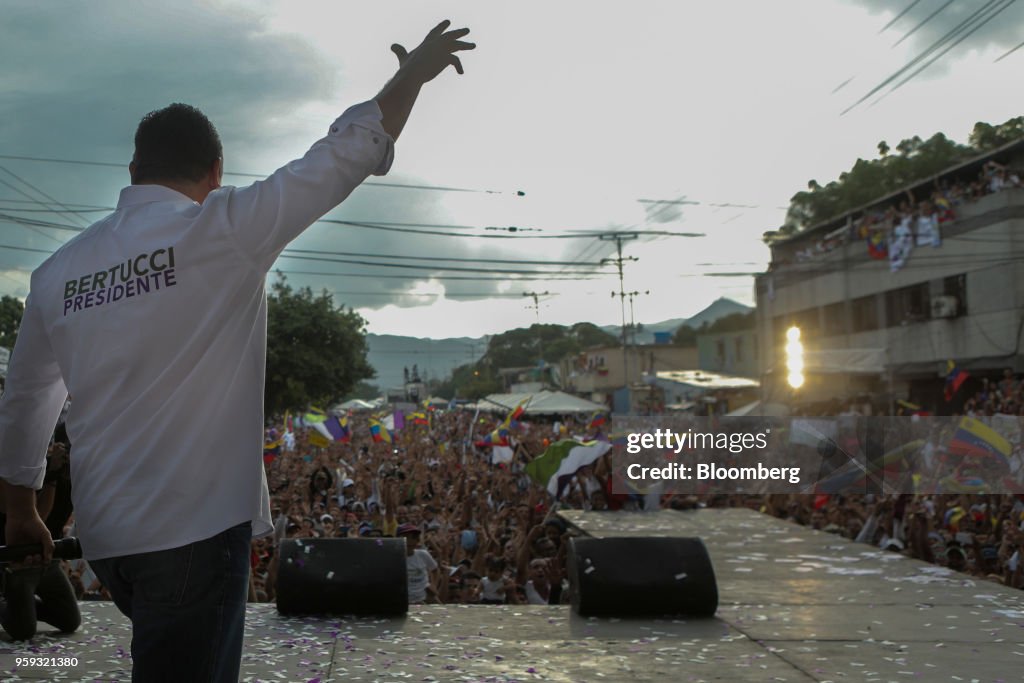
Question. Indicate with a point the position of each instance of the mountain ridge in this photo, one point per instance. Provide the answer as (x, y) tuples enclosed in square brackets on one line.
[(390, 354)]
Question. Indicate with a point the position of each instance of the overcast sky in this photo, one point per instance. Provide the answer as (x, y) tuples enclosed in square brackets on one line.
[(585, 107)]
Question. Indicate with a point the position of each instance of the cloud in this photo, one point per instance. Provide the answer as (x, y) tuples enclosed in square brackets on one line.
[(86, 74), (1002, 32)]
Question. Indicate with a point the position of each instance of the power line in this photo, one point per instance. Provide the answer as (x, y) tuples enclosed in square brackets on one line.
[(923, 22), (519, 193), (444, 295), (579, 235), (409, 266), (20, 220), (436, 277), (909, 78), (1008, 53), (440, 258), (29, 226), (42, 203), (923, 55), (37, 190), (899, 16), (14, 248), (724, 205), (240, 174), (104, 210)]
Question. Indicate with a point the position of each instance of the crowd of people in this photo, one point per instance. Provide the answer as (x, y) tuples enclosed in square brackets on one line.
[(890, 232), (477, 532), (482, 531)]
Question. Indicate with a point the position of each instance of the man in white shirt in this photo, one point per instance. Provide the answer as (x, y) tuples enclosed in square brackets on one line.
[(419, 564), (154, 319)]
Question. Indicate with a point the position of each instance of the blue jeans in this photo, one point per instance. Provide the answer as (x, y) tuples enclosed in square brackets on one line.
[(187, 607)]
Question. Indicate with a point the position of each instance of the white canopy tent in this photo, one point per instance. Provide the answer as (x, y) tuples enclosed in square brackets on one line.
[(540, 403), (357, 404)]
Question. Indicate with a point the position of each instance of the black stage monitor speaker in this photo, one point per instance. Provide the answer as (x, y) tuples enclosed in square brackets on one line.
[(364, 576), (636, 576)]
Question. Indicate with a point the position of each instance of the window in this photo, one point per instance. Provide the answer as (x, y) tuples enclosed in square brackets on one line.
[(807, 321), (907, 305), (835, 319), (738, 349), (956, 286), (864, 313)]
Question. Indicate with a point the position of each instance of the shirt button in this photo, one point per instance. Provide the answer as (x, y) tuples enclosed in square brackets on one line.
[(376, 140), (334, 129)]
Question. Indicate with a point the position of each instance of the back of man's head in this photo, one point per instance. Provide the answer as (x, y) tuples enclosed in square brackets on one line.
[(176, 143)]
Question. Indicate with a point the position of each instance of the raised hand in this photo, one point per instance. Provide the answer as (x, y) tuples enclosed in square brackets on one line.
[(434, 54)]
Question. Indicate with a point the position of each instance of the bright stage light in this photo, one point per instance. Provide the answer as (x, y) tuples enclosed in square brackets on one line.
[(794, 358)]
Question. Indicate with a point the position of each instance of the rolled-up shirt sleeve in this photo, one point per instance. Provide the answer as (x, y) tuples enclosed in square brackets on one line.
[(265, 216), (33, 397)]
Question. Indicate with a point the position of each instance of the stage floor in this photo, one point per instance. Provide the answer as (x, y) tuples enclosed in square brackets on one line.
[(795, 605)]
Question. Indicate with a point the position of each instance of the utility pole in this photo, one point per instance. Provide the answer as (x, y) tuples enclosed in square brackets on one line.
[(536, 302), (619, 238), (632, 318), (536, 309)]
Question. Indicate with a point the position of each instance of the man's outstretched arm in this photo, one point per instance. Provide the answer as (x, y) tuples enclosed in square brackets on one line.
[(434, 55), (264, 217)]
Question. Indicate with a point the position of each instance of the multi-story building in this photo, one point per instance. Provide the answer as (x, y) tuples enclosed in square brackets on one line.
[(598, 373), (871, 326), (730, 353)]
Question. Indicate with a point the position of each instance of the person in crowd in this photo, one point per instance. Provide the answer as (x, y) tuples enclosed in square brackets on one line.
[(33, 594)]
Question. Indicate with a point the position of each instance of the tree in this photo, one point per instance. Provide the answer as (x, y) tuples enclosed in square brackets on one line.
[(11, 310), (527, 346), (985, 137), (734, 322), (471, 382), (316, 352), (685, 336), (910, 161)]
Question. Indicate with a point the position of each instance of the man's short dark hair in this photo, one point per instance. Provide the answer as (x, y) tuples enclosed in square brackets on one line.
[(177, 142)]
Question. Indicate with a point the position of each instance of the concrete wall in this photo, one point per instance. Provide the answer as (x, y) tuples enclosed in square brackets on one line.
[(602, 370), (985, 242), (718, 353)]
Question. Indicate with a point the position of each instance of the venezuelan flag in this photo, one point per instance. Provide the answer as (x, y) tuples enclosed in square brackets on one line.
[(955, 377), (271, 450), (973, 437), (596, 420), (517, 413), (378, 432), (498, 437), (877, 247)]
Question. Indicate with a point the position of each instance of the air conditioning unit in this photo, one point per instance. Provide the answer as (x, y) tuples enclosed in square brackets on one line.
[(944, 306)]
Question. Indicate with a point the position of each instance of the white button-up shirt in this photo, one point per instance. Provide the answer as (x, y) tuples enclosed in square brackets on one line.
[(154, 319)]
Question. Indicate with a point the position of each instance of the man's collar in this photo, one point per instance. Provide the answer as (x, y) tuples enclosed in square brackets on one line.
[(134, 195)]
